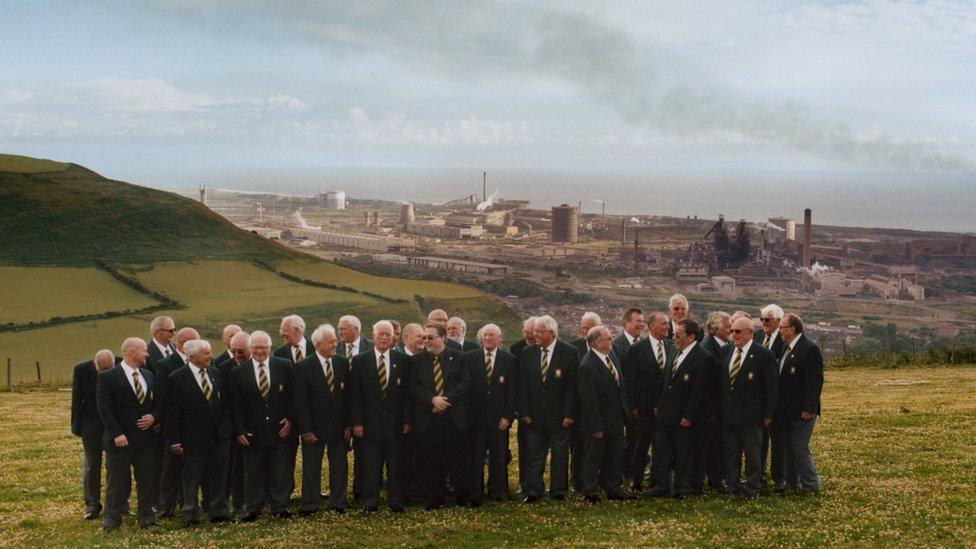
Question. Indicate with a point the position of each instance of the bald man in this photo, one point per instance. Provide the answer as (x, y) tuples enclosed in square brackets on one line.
[(87, 425), (228, 333)]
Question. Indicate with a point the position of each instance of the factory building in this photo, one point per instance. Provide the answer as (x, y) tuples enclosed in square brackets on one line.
[(360, 241), (788, 224), (460, 265), (565, 224), (438, 228)]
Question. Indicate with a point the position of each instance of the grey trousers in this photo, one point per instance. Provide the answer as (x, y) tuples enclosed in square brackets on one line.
[(91, 472), (603, 465), (208, 465), (119, 464), (738, 442), (542, 443), (801, 472), (312, 475), (266, 474)]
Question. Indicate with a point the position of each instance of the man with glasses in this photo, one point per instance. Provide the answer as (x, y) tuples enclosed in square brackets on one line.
[(770, 339), (749, 387), (225, 337), (160, 346)]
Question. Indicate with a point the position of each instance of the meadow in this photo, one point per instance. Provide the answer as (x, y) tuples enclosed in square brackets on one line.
[(896, 449)]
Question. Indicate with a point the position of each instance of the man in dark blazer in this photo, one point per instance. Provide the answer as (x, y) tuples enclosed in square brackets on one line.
[(685, 388), (588, 321), (603, 416), (226, 335), (87, 425), (633, 327), (263, 390), (410, 466), (128, 408), (198, 428), (709, 454), (457, 331), (350, 344), (642, 374), (528, 338), (749, 387), (769, 338), (379, 409), (160, 345), (439, 385), (240, 354), (322, 415), (295, 348), (492, 405), (577, 443), (797, 407), (171, 476), (549, 405)]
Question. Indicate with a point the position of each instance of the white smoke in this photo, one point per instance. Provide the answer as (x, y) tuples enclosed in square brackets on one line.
[(488, 203), (815, 270)]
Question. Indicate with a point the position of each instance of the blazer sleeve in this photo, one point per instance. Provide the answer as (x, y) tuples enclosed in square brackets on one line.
[(523, 406), (240, 428), (354, 395), (700, 389), (591, 420), (303, 418), (407, 404), (158, 411), (76, 396), (173, 402), (571, 402), (511, 397), (460, 391), (418, 392), (770, 386), (813, 378), (631, 372), (103, 398)]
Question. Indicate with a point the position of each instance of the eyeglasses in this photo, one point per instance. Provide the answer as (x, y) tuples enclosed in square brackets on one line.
[(737, 331), (765, 320), (170, 330), (427, 337)]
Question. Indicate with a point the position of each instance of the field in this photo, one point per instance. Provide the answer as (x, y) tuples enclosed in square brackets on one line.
[(32, 294), (896, 450), (215, 293), (26, 164)]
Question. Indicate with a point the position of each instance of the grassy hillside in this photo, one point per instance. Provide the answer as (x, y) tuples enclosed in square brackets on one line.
[(895, 450), (24, 164)]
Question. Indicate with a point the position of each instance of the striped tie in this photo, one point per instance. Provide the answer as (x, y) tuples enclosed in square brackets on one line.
[(298, 353), (329, 377), (263, 384), (736, 366), (381, 374), (545, 365), (488, 366), (660, 355), (613, 371), (348, 350), (140, 394), (438, 377), (205, 385), (167, 352), (766, 342), (674, 366)]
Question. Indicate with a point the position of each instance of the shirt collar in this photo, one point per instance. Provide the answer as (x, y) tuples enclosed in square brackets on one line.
[(687, 350), (603, 357), (721, 342), (385, 355), (301, 345), (128, 369), (551, 347), (772, 336), (257, 363), (322, 359), (654, 341), (791, 344), (162, 348), (194, 369), (183, 357), (745, 348)]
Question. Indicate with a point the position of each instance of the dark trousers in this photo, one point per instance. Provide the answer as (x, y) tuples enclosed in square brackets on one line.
[(542, 443), (779, 440), (494, 443), (358, 468), (376, 453), (312, 474), (603, 464), (266, 474), (764, 452), (234, 487), (645, 432), (440, 449), (208, 464), (715, 470), (409, 481), (118, 466), (801, 472), (577, 459), (630, 444), (523, 453), (170, 481), (292, 460), (91, 472), (746, 441), (704, 431), (674, 450)]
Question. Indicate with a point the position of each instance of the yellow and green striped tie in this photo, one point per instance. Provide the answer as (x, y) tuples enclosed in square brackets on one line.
[(660, 355), (205, 385), (438, 377), (545, 365), (736, 366), (140, 394), (263, 384), (381, 374), (329, 376)]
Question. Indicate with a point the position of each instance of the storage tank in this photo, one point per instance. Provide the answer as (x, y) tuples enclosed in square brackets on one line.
[(335, 200), (406, 213), (565, 223)]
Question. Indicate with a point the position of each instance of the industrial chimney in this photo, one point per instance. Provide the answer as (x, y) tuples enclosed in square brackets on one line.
[(807, 237)]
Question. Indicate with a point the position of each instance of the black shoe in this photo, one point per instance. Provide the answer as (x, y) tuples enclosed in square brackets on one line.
[(636, 488), (680, 496), (305, 513), (433, 506), (152, 524), (283, 514), (250, 517), (339, 510), (593, 499), (558, 497), (475, 503), (324, 495), (215, 520), (189, 522), (656, 493), (166, 513), (370, 509), (93, 514), (749, 497), (106, 528), (530, 499), (619, 496), (397, 509)]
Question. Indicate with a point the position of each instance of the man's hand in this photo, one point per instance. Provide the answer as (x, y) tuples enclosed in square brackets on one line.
[(503, 424), (145, 422), (406, 428), (357, 431), (598, 434), (309, 438), (634, 414), (806, 416), (285, 428), (526, 420), (767, 421), (567, 422), (176, 449), (243, 440), (685, 422), (346, 433), (121, 441), (440, 404)]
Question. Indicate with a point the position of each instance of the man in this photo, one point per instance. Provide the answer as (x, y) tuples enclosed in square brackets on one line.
[(528, 338), (160, 346), (749, 388), (439, 317), (457, 330), (677, 311), (642, 374), (492, 403), (685, 388), (413, 344), (633, 326), (549, 402), (350, 345), (769, 338), (296, 347), (588, 321), (240, 354), (603, 416), (379, 409), (397, 344), (263, 390), (439, 385), (323, 420), (709, 453), (797, 407), (170, 480), (226, 335), (736, 315), (87, 425), (128, 409), (198, 428), (413, 339)]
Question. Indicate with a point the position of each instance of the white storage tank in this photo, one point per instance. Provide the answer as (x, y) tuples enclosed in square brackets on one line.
[(335, 200)]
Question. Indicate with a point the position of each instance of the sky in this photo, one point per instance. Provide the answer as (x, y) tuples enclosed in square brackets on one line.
[(738, 84)]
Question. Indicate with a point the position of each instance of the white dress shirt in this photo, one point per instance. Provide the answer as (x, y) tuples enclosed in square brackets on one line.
[(196, 376), (128, 375)]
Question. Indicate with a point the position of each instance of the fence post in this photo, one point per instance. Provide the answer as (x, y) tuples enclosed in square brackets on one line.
[(37, 364), (8, 373)]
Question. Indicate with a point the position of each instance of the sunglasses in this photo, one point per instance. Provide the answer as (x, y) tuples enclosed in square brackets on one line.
[(765, 320), (737, 331), (426, 337)]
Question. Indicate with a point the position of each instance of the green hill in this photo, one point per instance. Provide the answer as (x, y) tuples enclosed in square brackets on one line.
[(64, 214)]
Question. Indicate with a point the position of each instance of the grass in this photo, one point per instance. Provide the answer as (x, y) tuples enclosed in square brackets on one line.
[(31, 294), (344, 276), (898, 465), (25, 164)]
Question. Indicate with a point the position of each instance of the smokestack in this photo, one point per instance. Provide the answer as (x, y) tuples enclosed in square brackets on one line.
[(484, 186), (807, 236)]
